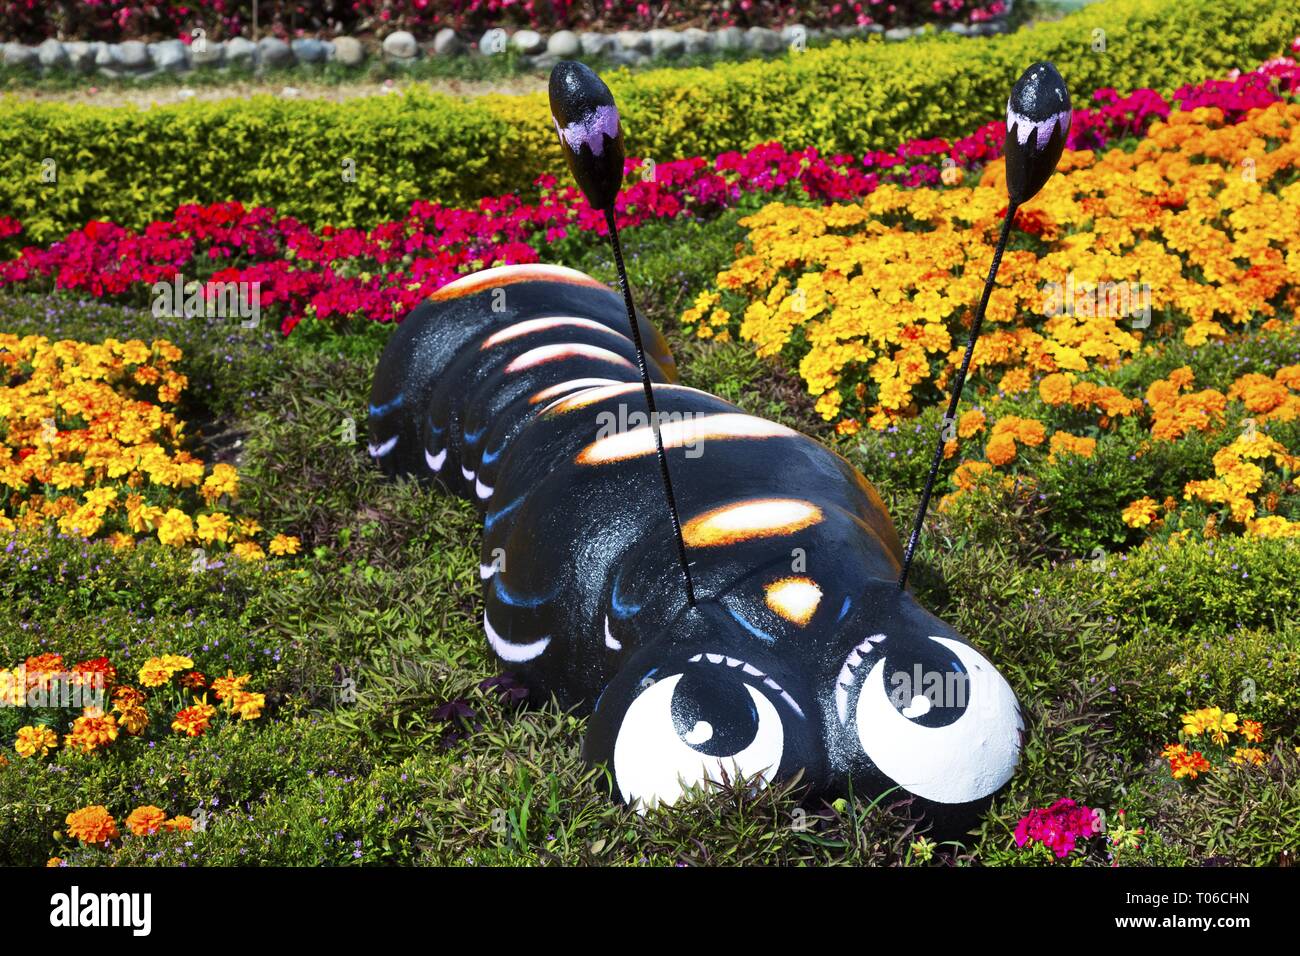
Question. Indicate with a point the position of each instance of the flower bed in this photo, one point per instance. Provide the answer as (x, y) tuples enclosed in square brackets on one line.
[(91, 446), (134, 166), (382, 273)]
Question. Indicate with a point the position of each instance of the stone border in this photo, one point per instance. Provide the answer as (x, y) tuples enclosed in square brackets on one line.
[(134, 58)]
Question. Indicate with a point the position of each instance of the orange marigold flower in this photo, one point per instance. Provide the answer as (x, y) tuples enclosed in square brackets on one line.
[(93, 824), (54, 861), (145, 821), (90, 733), (228, 686), (1000, 450), (193, 721), (179, 823), (971, 423), (1189, 765), (1252, 730), (1056, 389)]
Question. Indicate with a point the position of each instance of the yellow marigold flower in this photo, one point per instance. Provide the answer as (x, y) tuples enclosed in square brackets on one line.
[(90, 733), (35, 741), (145, 821), (133, 719), (1249, 755), (194, 720), (175, 527), (288, 544), (967, 474), (249, 551), (213, 527), (154, 673), (54, 861), (248, 705), (93, 824), (1140, 513), (224, 480), (179, 823)]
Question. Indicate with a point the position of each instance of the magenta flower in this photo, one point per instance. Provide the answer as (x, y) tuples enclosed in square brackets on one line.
[(1058, 827)]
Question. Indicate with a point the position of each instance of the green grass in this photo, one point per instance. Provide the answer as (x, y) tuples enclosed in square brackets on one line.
[(386, 595)]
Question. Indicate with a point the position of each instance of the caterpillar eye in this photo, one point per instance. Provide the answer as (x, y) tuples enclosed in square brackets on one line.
[(694, 726), (939, 721)]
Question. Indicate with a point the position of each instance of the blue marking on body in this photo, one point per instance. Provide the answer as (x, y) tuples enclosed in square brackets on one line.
[(621, 610), (471, 438), (514, 600), (494, 516), (391, 405), (760, 634), (844, 609), (490, 456)]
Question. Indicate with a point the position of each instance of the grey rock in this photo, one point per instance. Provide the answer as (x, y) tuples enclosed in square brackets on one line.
[(795, 33), (308, 50), (103, 56), (274, 52), (130, 55), (400, 45), (81, 55), (961, 29), (51, 54), (171, 56), (348, 51), (528, 41), (239, 51), (633, 40), (564, 44), (447, 43), (210, 54), (729, 38), (695, 40), (543, 61), (16, 54), (898, 33), (594, 44), (620, 57), (666, 43), (763, 40), (873, 28), (494, 41)]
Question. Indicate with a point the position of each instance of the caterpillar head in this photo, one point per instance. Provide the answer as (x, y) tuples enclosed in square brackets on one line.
[(886, 698)]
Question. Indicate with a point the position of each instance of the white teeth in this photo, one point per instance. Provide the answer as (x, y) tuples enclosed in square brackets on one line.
[(714, 658), (483, 491), (842, 702), (469, 475), (874, 639), (772, 684), (697, 658), (854, 659), (610, 642), (846, 675), (435, 461), (793, 706), (733, 662), (383, 448), (751, 670)]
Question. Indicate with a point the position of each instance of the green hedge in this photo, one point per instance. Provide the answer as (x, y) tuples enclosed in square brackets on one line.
[(132, 165)]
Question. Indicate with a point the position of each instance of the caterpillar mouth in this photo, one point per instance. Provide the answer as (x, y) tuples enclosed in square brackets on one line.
[(752, 671)]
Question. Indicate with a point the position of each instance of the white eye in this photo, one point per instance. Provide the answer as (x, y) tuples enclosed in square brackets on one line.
[(672, 738), (957, 762)]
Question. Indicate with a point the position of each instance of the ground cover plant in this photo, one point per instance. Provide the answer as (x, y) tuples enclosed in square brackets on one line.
[(1117, 535)]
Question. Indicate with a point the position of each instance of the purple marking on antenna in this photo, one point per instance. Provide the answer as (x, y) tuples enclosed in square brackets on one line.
[(1042, 128), (602, 123)]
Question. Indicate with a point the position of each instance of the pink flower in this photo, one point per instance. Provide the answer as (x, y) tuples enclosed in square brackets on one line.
[(1057, 827)]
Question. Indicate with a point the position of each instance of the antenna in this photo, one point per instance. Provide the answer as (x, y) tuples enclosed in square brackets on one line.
[(587, 121), (1038, 122)]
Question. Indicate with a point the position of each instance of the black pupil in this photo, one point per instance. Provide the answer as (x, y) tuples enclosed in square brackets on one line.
[(714, 714), (931, 671)]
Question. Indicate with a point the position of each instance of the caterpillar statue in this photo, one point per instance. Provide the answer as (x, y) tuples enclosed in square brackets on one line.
[(792, 646)]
